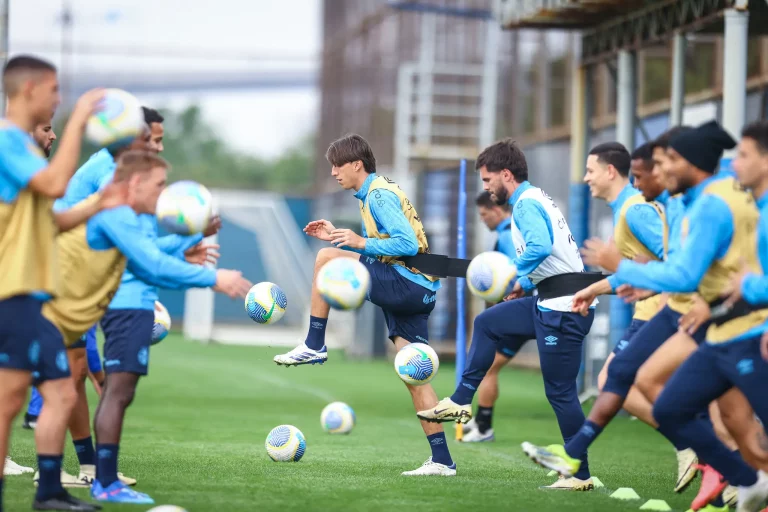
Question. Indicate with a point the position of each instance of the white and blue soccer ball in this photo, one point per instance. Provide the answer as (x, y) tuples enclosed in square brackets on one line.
[(184, 208), (266, 303), (162, 323), (490, 274), (118, 123), (416, 364), (337, 418), (167, 508), (344, 283), (285, 443)]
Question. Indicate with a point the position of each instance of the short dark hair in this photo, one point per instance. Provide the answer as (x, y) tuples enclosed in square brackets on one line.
[(662, 141), (643, 152), (19, 65), (615, 154), (504, 154), (758, 132), (152, 116), (485, 200), (350, 148)]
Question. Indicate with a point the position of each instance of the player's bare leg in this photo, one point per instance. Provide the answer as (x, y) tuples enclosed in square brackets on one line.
[(739, 419), (313, 350), (636, 403), (13, 393), (424, 397), (487, 394)]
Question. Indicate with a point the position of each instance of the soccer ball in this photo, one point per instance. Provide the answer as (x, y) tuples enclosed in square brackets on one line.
[(285, 443), (266, 303), (162, 323), (344, 283), (337, 418), (167, 508), (416, 364), (489, 275), (184, 208), (119, 122)]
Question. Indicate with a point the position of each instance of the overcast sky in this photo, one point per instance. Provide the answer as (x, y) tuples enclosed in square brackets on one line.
[(202, 35)]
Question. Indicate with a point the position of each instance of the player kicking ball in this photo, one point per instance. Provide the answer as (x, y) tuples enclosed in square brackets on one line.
[(391, 230), (548, 260)]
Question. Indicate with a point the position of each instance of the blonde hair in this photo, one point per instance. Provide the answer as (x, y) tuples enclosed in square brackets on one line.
[(137, 161)]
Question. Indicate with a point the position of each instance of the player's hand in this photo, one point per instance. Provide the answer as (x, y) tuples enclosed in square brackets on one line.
[(516, 293), (213, 227), (320, 229), (112, 196), (641, 258), (97, 380), (87, 105), (598, 253), (582, 300), (695, 317), (232, 283), (631, 294), (764, 346), (732, 292), (347, 238), (202, 253)]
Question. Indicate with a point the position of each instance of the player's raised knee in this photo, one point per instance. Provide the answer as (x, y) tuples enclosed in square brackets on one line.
[(326, 254)]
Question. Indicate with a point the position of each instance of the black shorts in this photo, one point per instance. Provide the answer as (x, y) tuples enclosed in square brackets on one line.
[(128, 336), (406, 305)]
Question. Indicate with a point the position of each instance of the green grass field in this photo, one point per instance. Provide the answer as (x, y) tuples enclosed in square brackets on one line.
[(195, 438)]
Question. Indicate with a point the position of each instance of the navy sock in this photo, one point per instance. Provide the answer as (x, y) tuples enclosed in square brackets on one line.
[(577, 446), (1, 492), (316, 335), (84, 450), (106, 463), (484, 418), (678, 443), (50, 477), (439, 445)]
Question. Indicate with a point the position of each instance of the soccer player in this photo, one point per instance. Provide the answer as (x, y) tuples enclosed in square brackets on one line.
[(497, 218), (548, 260), (92, 258), (44, 136), (391, 230), (28, 185), (155, 122)]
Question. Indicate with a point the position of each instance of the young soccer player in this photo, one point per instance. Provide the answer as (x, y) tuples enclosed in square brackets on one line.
[(28, 185), (549, 260), (497, 218), (155, 122), (391, 230)]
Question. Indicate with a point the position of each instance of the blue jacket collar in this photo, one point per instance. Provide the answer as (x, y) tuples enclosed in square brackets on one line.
[(360, 194), (504, 225), (627, 192), (664, 197), (520, 189), (693, 193), (763, 201)]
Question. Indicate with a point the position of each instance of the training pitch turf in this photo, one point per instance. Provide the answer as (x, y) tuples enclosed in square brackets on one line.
[(194, 437)]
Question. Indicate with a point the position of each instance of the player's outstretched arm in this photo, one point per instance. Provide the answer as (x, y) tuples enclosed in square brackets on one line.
[(177, 245), (52, 181), (711, 224), (110, 197)]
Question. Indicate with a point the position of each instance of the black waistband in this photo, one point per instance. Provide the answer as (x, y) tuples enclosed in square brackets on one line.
[(567, 284), (722, 314), (437, 265)]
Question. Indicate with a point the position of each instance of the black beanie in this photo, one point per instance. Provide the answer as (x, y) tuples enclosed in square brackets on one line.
[(703, 146)]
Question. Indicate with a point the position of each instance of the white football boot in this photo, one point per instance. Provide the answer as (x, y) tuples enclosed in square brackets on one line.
[(752, 498), (447, 410), (468, 426), (67, 480), (475, 436), (302, 355), (430, 468), (570, 484), (88, 474), (686, 468), (11, 468)]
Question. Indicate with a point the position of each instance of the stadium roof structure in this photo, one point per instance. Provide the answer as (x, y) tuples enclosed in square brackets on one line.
[(609, 26)]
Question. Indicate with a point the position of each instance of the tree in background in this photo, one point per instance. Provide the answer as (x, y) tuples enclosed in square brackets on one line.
[(197, 153)]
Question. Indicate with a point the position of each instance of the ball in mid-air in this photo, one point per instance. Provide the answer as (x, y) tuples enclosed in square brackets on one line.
[(344, 283), (266, 303), (416, 364), (162, 323), (285, 443), (184, 208), (337, 418), (490, 274), (119, 121)]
